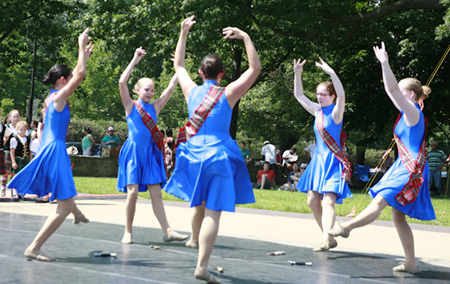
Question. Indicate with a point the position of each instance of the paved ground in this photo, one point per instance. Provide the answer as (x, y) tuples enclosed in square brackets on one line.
[(245, 237)]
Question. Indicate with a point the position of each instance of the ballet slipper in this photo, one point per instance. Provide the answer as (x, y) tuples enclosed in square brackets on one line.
[(126, 239), (403, 268), (325, 246), (338, 230), (37, 255), (174, 236), (192, 244), (80, 218), (201, 273)]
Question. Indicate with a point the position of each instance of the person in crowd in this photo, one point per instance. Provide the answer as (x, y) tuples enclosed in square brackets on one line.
[(245, 153), (110, 139), (50, 171), (436, 161), (141, 162), (87, 142), (265, 178), (310, 149), (404, 186), (209, 169), (5, 133), (10, 122), (269, 153), (169, 149), (295, 175), (289, 158), (20, 151), (326, 178)]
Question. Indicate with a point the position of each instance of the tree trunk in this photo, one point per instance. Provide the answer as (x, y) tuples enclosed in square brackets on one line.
[(360, 155), (235, 74), (31, 98)]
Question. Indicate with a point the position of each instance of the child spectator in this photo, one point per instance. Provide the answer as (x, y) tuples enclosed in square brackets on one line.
[(266, 177), (13, 118), (5, 133)]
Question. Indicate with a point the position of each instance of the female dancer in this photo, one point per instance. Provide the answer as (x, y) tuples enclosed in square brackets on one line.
[(50, 170), (405, 184), (325, 179), (141, 162), (209, 169)]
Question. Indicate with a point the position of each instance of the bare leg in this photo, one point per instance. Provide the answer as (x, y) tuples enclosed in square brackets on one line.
[(328, 215), (77, 214), (158, 209), (314, 202), (368, 215), (263, 181), (130, 209), (65, 207), (406, 237), (196, 224), (207, 238)]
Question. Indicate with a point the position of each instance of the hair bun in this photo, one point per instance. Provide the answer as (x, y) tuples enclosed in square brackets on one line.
[(426, 92)]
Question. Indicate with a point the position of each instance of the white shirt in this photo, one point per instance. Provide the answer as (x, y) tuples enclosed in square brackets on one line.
[(270, 153), (311, 149), (34, 146), (8, 131), (290, 157), (13, 143)]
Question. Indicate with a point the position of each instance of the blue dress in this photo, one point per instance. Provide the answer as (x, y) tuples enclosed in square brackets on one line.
[(397, 175), (50, 170), (140, 161), (209, 166), (324, 172)]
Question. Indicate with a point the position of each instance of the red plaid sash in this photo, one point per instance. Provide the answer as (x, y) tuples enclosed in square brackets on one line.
[(150, 124), (199, 116), (411, 189), (334, 148)]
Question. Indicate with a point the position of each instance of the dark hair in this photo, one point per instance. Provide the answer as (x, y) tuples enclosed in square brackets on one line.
[(266, 163), (294, 149), (211, 66), (56, 72), (88, 130), (169, 132)]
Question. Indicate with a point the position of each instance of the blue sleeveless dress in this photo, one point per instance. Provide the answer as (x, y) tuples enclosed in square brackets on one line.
[(209, 166), (323, 173), (50, 170), (140, 161), (397, 175)]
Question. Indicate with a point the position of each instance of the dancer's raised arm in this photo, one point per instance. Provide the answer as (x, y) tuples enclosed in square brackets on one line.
[(403, 100), (306, 103), (165, 96), (84, 51), (185, 80), (236, 89), (124, 92), (338, 111)]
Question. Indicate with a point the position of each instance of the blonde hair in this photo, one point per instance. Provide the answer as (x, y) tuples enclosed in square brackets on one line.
[(330, 89), (420, 91), (21, 123), (140, 82)]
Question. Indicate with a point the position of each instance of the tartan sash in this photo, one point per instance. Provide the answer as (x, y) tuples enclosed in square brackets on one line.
[(199, 116), (415, 167), (334, 148), (151, 126)]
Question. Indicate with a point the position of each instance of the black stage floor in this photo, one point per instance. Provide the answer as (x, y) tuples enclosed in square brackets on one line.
[(244, 261)]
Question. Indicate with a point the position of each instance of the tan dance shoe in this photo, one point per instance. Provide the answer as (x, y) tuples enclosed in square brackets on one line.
[(174, 236), (192, 244), (37, 255), (80, 218), (325, 246), (126, 239), (339, 231), (201, 273), (403, 268)]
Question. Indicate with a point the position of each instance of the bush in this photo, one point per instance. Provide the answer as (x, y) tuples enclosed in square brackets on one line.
[(99, 129)]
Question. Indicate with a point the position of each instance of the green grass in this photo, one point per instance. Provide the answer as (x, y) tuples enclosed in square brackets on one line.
[(286, 201)]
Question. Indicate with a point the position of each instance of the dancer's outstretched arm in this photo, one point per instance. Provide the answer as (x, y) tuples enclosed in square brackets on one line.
[(236, 89), (306, 103), (123, 88), (84, 51), (165, 96), (184, 79), (338, 111), (412, 114)]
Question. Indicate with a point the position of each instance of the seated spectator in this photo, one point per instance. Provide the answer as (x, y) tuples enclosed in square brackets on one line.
[(266, 177), (110, 139), (289, 157), (245, 153), (295, 175)]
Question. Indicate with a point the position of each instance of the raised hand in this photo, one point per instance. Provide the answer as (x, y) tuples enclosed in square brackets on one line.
[(233, 33), (187, 24), (298, 66), (139, 53), (324, 66), (85, 42), (381, 53)]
